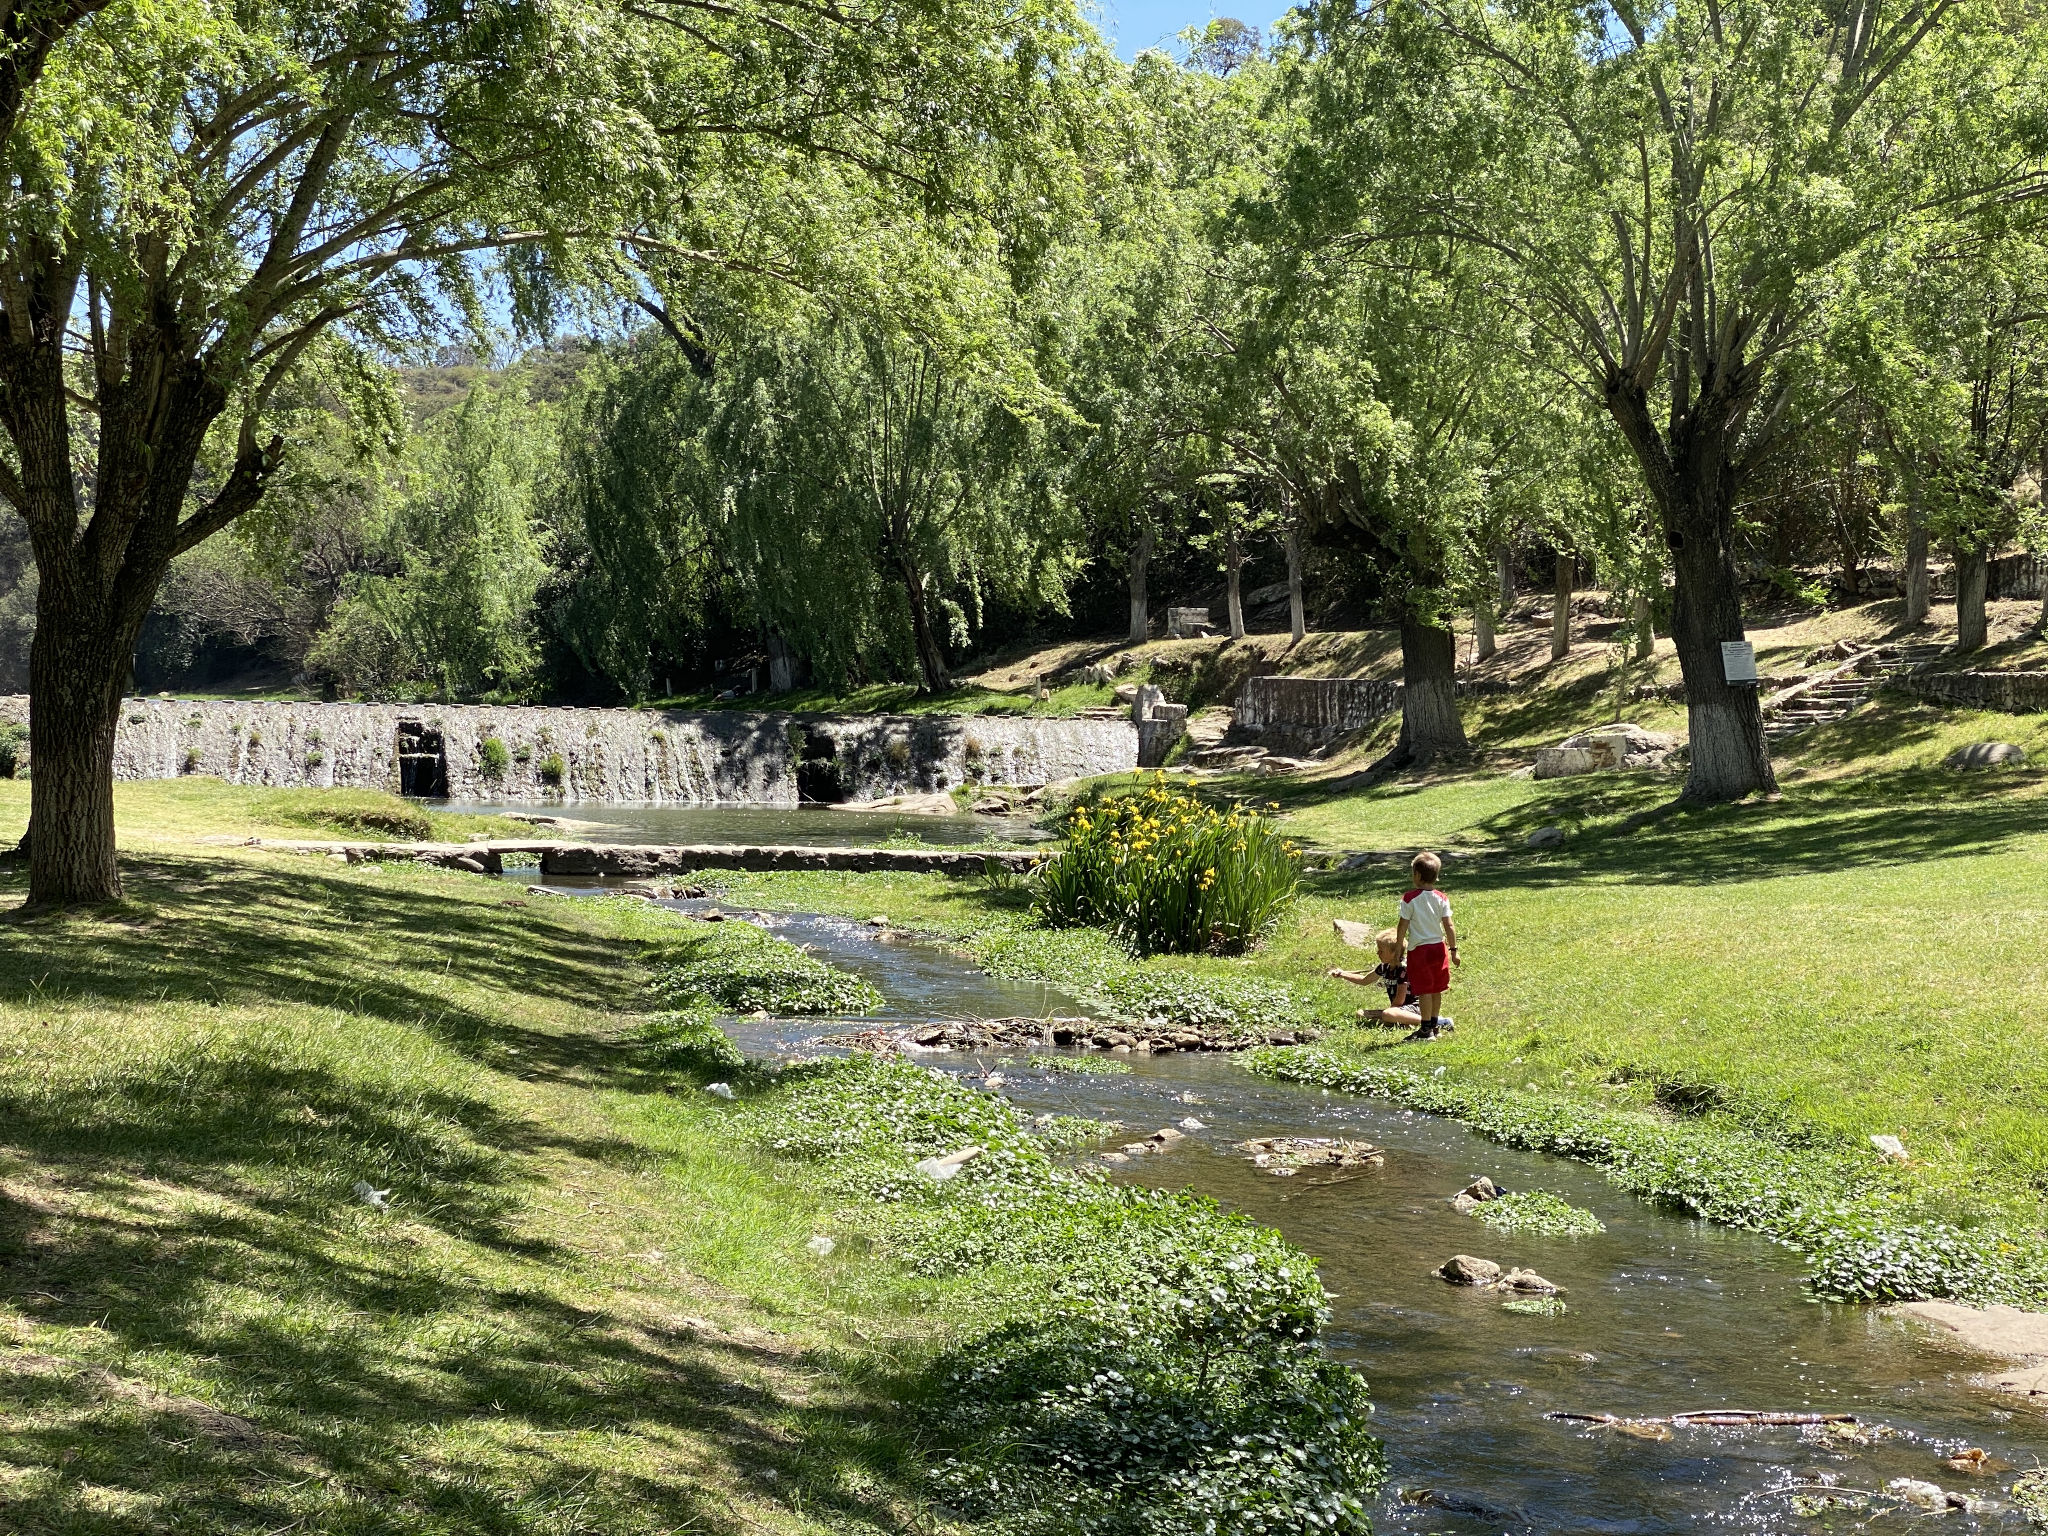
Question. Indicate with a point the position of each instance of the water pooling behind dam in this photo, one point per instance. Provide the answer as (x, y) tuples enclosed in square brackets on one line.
[(1664, 1314), (537, 756)]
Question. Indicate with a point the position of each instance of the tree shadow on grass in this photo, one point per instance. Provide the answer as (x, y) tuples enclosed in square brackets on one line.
[(1640, 832), (225, 933), (193, 1212)]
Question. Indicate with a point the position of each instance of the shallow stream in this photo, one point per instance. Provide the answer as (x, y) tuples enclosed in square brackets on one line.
[(817, 825), (1663, 1314)]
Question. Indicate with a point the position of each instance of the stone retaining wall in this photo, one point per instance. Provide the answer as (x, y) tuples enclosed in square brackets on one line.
[(2017, 693), (1313, 706), (602, 755)]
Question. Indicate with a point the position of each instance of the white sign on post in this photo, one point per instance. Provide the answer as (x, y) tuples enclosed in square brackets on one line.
[(1738, 661)]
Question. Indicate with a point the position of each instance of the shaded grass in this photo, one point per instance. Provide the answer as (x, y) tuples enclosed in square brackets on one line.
[(588, 1307)]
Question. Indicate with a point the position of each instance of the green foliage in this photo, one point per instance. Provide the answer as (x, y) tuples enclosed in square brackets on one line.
[(1166, 873), (743, 970), (12, 738), (1106, 1066), (456, 620), (551, 770), (1177, 1385), (689, 1040), (2030, 1495), (1535, 1306), (1863, 1239), (1539, 1212), (493, 761), (1197, 1001)]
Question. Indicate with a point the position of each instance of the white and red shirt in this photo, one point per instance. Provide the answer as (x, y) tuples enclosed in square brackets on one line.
[(1425, 910)]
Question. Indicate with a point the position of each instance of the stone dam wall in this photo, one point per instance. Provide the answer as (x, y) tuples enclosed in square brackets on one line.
[(556, 756)]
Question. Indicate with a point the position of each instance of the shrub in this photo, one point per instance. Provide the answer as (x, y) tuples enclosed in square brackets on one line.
[(12, 737), (192, 760), (1167, 874), (553, 770), (746, 970), (314, 759), (897, 752), (492, 760)]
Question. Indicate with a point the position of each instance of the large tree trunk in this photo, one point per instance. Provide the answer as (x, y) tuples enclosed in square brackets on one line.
[(77, 668), (1561, 608), (1691, 480), (1916, 552), (1645, 626), (1141, 560), (1724, 721), (1297, 609), (1232, 588), (1973, 580), (931, 659), (1483, 644), (1429, 692)]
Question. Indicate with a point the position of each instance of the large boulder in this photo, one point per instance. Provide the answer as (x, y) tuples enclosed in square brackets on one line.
[(1605, 748), (1988, 754)]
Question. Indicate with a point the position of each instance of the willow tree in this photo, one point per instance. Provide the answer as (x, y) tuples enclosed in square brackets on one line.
[(204, 202), (871, 490), (1670, 191)]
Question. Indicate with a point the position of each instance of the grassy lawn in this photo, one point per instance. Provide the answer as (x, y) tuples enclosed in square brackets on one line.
[(589, 1307), (174, 812)]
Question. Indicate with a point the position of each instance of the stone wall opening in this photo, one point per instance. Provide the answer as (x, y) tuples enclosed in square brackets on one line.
[(422, 761), (817, 769)]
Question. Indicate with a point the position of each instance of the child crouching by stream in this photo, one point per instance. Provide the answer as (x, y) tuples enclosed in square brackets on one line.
[(1392, 974)]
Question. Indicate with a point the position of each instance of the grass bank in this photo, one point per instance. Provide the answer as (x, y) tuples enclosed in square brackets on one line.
[(1763, 987), (583, 1294), (157, 813)]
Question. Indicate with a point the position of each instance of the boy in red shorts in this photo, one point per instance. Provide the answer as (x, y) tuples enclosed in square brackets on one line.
[(1432, 941)]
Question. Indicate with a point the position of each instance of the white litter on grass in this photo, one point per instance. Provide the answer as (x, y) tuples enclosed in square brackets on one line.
[(1893, 1149), (940, 1169), (1192, 1124), (375, 1199), (821, 1245), (719, 1090)]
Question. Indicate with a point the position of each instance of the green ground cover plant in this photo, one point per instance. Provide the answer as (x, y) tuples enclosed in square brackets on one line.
[(736, 968), (1176, 1387), (1167, 873), (1539, 1212)]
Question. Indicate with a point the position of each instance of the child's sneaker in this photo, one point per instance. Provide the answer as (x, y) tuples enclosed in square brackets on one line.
[(1432, 1029)]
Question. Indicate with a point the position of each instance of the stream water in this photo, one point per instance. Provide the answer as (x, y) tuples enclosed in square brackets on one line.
[(817, 825), (1664, 1314)]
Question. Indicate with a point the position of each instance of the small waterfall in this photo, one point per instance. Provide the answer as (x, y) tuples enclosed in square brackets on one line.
[(550, 755)]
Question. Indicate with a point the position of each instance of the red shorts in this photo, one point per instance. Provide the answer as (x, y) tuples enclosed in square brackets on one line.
[(1429, 970)]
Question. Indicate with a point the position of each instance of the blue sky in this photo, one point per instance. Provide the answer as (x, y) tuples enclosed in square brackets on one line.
[(1137, 24)]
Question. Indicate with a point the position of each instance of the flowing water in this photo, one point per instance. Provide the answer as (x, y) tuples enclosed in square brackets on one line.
[(815, 825), (1664, 1314)]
